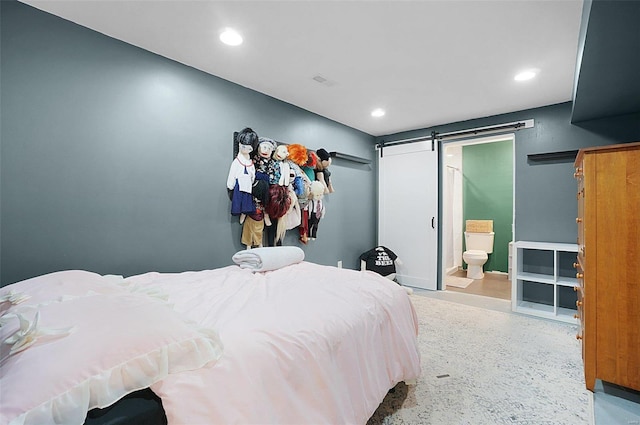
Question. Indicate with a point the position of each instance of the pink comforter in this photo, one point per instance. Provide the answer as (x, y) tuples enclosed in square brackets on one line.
[(305, 344)]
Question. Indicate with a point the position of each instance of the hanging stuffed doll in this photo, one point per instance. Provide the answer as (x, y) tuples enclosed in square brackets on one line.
[(279, 201), (276, 207), (309, 167), (253, 224), (315, 208), (322, 170), (299, 180), (292, 217), (264, 164), (242, 174), (309, 170), (279, 156), (262, 156)]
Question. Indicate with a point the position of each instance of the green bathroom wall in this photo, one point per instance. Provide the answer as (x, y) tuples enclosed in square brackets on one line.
[(488, 194)]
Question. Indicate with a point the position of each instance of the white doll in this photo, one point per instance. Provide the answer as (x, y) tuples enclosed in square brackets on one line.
[(279, 155), (315, 208)]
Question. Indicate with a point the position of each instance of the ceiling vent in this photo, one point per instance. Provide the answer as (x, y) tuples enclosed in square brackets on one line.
[(320, 79)]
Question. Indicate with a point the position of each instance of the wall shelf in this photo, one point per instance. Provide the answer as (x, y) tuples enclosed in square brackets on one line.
[(553, 156), (348, 157), (333, 154), (544, 280)]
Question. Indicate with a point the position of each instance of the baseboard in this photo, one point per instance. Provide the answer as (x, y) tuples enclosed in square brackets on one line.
[(498, 272), (453, 270)]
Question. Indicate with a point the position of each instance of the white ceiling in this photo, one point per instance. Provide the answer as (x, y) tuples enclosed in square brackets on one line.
[(426, 62)]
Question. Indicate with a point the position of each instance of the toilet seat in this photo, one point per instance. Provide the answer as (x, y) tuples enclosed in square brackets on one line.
[(476, 254)]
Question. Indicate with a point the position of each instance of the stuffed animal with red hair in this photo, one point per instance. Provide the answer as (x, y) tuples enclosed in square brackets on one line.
[(299, 182), (309, 167), (297, 154)]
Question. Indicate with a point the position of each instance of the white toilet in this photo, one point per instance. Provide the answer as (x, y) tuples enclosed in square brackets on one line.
[(479, 245)]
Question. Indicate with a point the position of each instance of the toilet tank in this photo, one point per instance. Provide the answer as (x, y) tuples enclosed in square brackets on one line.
[(479, 241)]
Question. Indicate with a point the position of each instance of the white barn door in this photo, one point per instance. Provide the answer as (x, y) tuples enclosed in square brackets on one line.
[(408, 210)]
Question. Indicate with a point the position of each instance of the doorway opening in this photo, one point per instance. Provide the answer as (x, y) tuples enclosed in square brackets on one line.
[(478, 181)]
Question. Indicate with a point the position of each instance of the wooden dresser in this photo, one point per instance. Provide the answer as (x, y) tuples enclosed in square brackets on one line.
[(608, 263)]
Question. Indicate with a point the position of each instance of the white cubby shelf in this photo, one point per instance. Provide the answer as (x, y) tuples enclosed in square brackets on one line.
[(544, 280)]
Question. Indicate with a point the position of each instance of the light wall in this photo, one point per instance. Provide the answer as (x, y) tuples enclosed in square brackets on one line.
[(452, 209)]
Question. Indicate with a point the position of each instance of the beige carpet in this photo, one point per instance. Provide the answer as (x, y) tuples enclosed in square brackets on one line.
[(485, 367), (458, 282)]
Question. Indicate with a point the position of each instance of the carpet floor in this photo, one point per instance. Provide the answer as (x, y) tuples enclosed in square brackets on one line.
[(484, 367)]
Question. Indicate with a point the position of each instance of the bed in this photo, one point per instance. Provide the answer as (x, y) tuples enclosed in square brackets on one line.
[(300, 343)]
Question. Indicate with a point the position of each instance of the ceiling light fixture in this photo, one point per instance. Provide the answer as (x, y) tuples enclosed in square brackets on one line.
[(377, 113), (231, 37), (526, 75)]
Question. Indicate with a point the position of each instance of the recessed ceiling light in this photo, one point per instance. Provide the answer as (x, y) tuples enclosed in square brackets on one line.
[(377, 112), (231, 37), (526, 75)]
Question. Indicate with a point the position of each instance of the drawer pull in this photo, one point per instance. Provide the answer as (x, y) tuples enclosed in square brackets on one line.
[(575, 288), (575, 316), (578, 303), (578, 220), (575, 265), (579, 275), (578, 336)]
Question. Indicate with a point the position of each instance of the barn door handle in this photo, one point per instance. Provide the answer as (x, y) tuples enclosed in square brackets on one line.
[(433, 220)]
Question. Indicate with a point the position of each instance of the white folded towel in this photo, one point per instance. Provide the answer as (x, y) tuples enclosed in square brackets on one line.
[(268, 258)]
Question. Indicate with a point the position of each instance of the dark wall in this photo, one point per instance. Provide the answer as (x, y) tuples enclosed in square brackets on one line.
[(608, 61), (115, 160), (545, 192)]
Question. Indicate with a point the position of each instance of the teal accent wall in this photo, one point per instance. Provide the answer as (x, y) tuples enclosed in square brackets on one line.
[(488, 194), (115, 159)]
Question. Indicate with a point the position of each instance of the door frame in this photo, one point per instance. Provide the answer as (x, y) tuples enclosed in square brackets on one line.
[(442, 184)]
